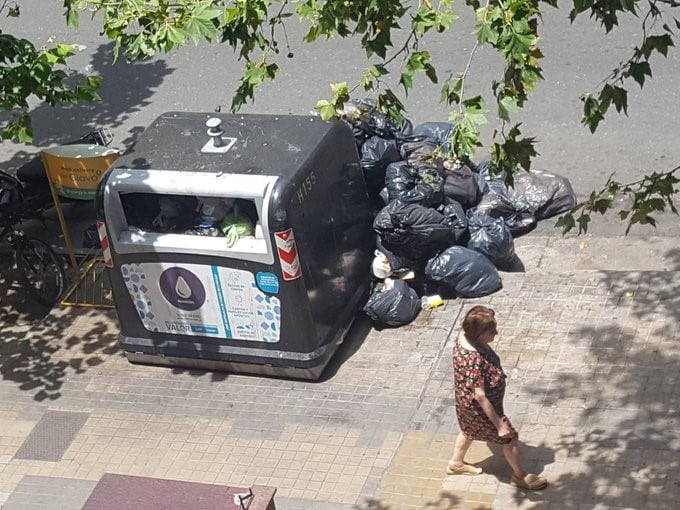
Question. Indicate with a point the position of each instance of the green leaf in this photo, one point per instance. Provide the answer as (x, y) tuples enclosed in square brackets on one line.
[(520, 44), (72, 16), (602, 205), (474, 110), (406, 80), (340, 92), (196, 28), (614, 94), (592, 114), (566, 222), (431, 73), (448, 95), (425, 19), (485, 33), (660, 43), (326, 109), (176, 35), (638, 71), (507, 105)]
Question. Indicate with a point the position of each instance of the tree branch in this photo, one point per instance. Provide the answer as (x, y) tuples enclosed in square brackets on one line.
[(466, 71)]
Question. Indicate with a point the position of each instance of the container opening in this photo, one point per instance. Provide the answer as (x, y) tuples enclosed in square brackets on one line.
[(234, 219)]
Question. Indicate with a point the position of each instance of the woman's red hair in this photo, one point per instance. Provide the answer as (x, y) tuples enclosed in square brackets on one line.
[(478, 321)]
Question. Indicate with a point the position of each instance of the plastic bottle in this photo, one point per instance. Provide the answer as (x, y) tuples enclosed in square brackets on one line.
[(428, 302)]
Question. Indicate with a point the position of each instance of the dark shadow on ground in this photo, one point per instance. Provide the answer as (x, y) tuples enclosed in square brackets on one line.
[(352, 342), (35, 340), (445, 500), (17, 304), (623, 391), (126, 88)]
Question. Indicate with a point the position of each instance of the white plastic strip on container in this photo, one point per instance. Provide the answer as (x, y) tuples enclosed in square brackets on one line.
[(127, 239)]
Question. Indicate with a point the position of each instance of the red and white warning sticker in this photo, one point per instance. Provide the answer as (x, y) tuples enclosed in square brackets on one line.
[(288, 254), (104, 243)]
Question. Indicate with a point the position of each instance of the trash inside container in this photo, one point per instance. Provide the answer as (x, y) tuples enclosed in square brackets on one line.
[(240, 243)]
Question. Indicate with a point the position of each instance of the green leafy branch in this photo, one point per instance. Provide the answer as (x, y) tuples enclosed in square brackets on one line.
[(510, 29), (26, 71), (144, 28), (637, 67), (651, 195), (414, 60)]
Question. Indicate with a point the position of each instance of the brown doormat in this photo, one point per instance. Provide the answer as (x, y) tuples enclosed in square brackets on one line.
[(124, 492)]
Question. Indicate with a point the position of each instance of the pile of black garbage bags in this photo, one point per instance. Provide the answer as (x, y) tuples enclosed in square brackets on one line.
[(441, 229)]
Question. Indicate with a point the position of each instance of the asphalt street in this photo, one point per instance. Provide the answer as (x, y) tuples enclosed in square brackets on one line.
[(578, 57)]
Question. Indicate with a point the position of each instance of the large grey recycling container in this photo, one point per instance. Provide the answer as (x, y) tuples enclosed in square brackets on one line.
[(277, 301)]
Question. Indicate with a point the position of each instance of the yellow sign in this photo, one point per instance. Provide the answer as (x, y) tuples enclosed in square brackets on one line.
[(75, 170)]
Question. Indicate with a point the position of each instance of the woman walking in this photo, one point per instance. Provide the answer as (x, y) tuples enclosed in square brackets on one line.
[(479, 392)]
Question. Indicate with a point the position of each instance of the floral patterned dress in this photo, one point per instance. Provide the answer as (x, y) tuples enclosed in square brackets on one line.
[(475, 369)]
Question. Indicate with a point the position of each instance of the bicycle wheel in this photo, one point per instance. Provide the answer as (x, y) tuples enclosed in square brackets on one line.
[(41, 270)]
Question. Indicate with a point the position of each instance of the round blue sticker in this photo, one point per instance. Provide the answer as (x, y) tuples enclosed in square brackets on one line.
[(267, 282)]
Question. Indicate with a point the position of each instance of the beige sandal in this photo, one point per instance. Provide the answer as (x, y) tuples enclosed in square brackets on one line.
[(530, 482), (465, 469)]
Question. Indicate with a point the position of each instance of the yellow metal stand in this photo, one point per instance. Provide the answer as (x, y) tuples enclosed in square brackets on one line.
[(74, 171), (92, 287), (64, 229)]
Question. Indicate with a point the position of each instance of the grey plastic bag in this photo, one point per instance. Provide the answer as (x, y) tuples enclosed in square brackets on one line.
[(460, 272), (492, 238)]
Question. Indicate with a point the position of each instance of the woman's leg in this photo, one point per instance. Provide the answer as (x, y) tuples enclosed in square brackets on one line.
[(520, 478), (460, 449), (511, 452), (457, 465)]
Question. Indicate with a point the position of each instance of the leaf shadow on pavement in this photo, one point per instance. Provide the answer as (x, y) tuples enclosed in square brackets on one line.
[(126, 88), (34, 343), (17, 305), (40, 348), (444, 501), (36, 358), (613, 408)]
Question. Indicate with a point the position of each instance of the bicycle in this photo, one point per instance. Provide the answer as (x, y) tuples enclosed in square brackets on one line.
[(27, 196), (39, 267)]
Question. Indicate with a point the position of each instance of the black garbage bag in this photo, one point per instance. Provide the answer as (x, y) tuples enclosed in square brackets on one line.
[(492, 238), (140, 209), (404, 182), (481, 171), (397, 264), (11, 193), (412, 231), (367, 121), (455, 217), (392, 304), (438, 133), (91, 237), (383, 198), (461, 272), (495, 201), (460, 184), (520, 223), (160, 213), (400, 177), (433, 180), (541, 193), (376, 154), (416, 149)]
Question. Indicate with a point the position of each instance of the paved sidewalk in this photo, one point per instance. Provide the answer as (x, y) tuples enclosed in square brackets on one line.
[(588, 337)]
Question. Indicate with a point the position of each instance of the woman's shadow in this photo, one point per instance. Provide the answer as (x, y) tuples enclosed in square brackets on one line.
[(534, 459)]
